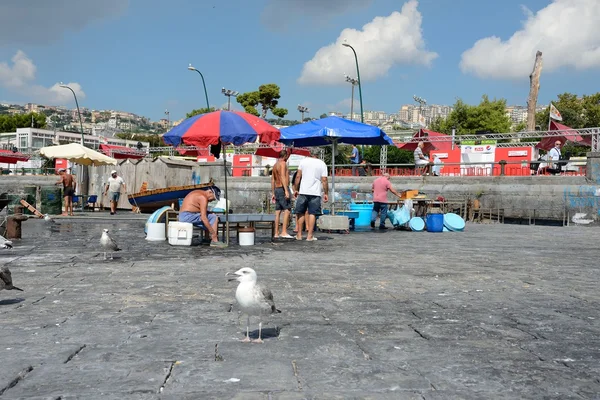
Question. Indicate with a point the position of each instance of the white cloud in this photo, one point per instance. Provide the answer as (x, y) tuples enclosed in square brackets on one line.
[(381, 44), (344, 105), (276, 14), (567, 32), (43, 21), (19, 78)]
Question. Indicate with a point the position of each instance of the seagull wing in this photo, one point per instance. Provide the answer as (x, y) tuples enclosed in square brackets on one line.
[(267, 296), (112, 243), (6, 277), (5, 243)]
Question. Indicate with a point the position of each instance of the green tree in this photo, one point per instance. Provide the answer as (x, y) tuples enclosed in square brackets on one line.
[(323, 115), (199, 111), (266, 98), (10, 122), (489, 115), (395, 155), (576, 112), (521, 127)]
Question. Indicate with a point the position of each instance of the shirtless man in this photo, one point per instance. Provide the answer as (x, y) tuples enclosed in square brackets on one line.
[(195, 211), (280, 194), (69, 185)]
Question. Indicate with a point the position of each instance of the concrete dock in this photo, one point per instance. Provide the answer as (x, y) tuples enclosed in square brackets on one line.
[(497, 311)]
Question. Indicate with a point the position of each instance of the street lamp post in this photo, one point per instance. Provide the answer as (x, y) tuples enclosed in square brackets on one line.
[(303, 110), (362, 119), (168, 119), (229, 93), (354, 82), (421, 102), (84, 171), (78, 112), (191, 68)]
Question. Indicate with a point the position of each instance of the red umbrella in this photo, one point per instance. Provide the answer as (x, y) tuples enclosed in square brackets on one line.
[(568, 134), (10, 157), (422, 136)]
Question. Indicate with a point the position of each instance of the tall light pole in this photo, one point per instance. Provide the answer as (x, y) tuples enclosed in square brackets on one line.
[(362, 118), (303, 110), (84, 174), (168, 119), (421, 102), (62, 85), (229, 93), (203, 84), (354, 82)]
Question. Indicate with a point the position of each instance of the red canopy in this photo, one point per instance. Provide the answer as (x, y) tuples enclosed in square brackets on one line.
[(193, 152), (569, 134), (276, 147), (121, 152), (421, 136), (7, 156)]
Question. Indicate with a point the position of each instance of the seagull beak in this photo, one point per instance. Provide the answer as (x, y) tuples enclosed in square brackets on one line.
[(232, 276), (16, 288)]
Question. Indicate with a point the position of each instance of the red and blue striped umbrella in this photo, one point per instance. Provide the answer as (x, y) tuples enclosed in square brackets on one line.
[(228, 127)]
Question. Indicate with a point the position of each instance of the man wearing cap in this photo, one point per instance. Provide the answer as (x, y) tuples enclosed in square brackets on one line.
[(194, 210), (113, 187), (69, 185)]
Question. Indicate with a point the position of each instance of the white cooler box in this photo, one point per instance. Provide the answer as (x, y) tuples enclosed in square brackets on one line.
[(334, 223), (180, 233)]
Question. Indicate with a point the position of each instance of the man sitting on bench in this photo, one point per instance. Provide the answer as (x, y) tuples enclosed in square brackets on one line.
[(194, 210)]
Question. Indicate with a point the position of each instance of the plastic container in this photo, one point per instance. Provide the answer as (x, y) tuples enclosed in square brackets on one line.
[(435, 222), (364, 213), (51, 200), (416, 224), (180, 233), (155, 232), (30, 192), (246, 236), (454, 222)]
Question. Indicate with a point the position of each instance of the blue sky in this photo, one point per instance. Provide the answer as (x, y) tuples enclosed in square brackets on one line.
[(133, 55)]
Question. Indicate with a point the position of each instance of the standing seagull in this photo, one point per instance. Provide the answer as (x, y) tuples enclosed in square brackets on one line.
[(252, 298), (108, 243), (6, 280), (5, 243)]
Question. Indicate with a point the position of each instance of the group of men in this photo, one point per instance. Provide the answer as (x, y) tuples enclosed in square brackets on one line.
[(112, 188)]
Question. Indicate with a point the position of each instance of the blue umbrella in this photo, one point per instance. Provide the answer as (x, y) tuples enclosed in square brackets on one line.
[(331, 131)]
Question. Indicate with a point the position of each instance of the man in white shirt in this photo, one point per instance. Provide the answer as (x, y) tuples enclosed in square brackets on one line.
[(113, 187), (310, 182), (554, 154)]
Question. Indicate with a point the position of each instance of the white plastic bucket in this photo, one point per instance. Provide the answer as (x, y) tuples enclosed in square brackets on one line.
[(155, 231), (180, 233), (246, 236)]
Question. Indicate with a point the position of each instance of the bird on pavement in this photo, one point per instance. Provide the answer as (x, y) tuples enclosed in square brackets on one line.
[(108, 244), (6, 280), (48, 218), (253, 299), (5, 243)]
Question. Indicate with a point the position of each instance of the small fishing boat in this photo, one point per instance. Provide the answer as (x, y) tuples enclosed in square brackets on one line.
[(148, 201)]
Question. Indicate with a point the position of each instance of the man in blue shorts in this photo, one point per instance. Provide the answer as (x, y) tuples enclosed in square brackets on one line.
[(194, 210)]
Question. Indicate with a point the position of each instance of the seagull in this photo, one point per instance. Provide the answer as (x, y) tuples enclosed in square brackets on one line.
[(252, 298), (5, 243), (48, 218), (108, 243), (6, 280)]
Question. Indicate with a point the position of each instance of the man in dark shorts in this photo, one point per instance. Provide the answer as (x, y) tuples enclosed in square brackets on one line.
[(194, 210), (280, 194), (69, 185), (312, 184)]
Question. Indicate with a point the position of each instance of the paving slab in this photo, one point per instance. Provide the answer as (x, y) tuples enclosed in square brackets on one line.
[(497, 311)]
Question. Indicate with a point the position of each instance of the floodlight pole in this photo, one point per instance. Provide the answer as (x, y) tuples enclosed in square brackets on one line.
[(229, 93), (302, 110)]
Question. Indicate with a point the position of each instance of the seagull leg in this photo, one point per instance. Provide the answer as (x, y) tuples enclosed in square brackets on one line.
[(247, 338), (259, 340), (111, 256), (105, 255)]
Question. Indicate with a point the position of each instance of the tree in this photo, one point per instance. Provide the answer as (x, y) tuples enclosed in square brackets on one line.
[(10, 123), (154, 139), (267, 97), (487, 116), (395, 155), (323, 115), (583, 112), (203, 110)]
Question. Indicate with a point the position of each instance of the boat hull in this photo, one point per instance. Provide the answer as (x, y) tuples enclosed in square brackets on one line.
[(151, 200)]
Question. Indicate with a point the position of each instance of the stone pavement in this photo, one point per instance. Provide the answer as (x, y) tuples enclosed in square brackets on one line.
[(499, 311)]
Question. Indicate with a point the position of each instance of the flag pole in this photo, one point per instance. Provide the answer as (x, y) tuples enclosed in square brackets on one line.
[(549, 115)]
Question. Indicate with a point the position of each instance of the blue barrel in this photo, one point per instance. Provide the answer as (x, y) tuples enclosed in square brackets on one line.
[(51, 202), (435, 222), (364, 213)]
